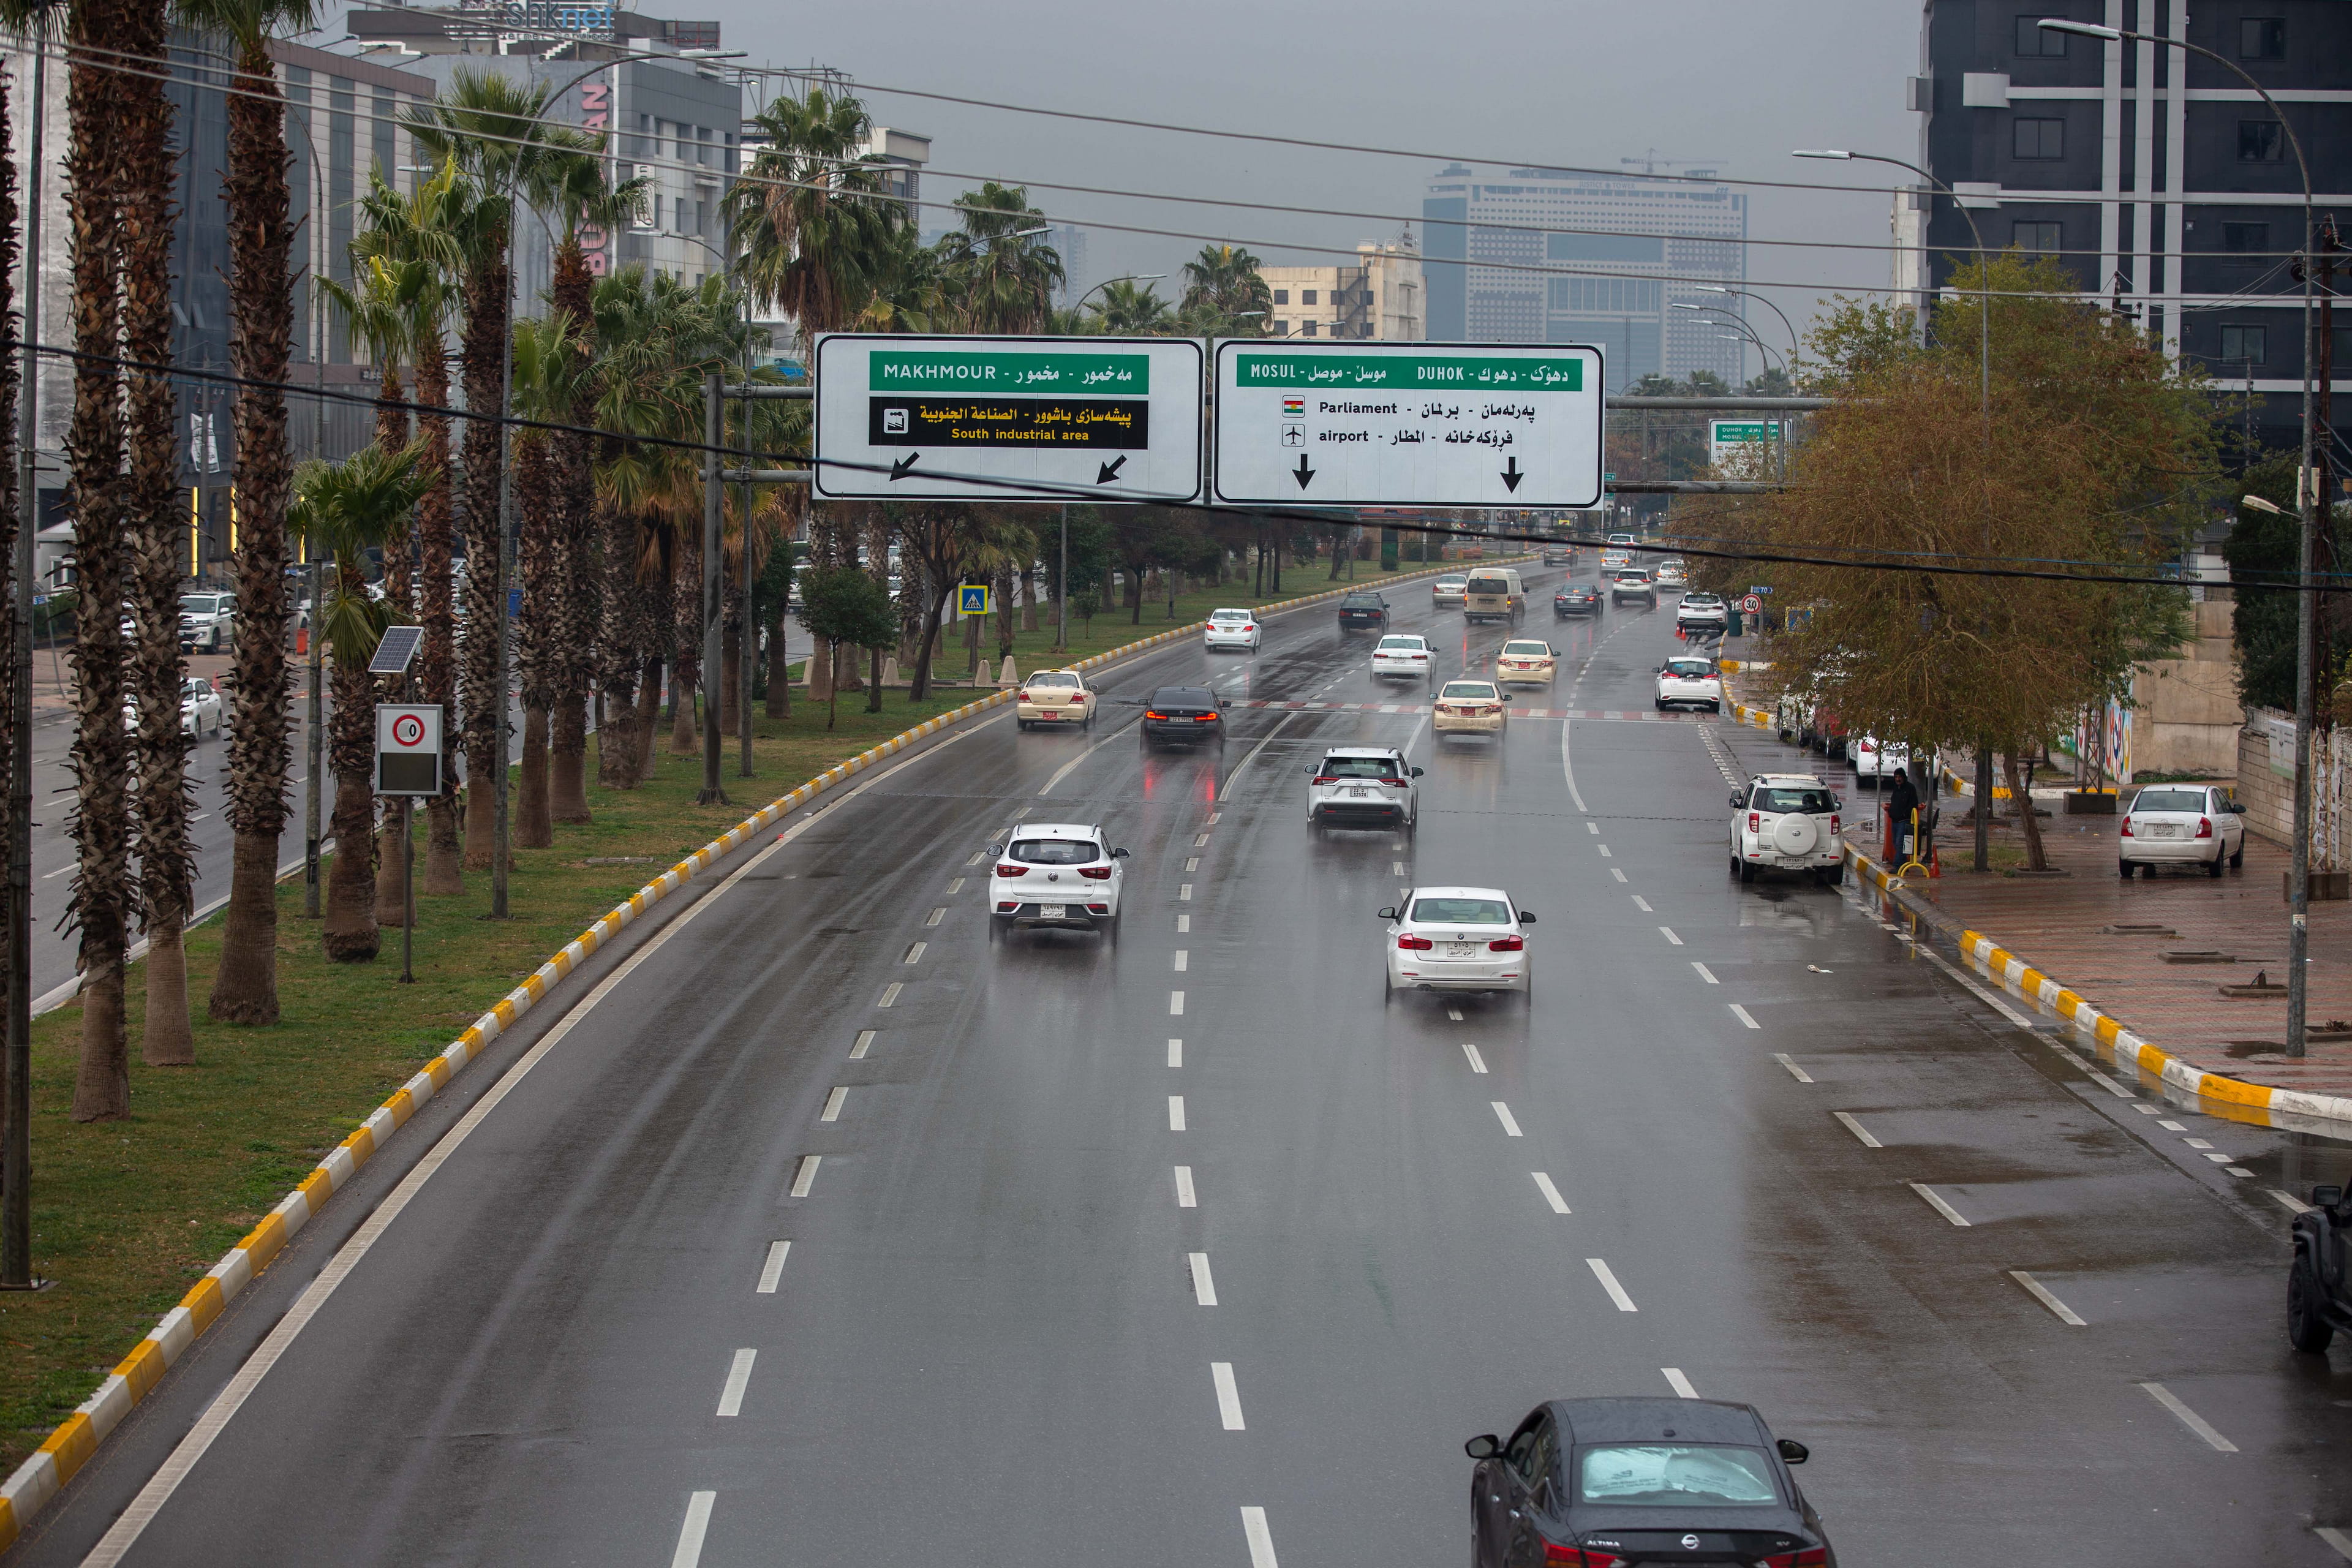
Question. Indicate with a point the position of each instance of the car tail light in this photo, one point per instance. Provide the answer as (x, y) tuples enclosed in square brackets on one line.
[(2204, 827), (1810, 1557), (1507, 944), (1077, 697), (1755, 821), (1321, 779), (1251, 627), (1150, 714), (2126, 827), (1013, 870), (1098, 909), (1833, 825), (1094, 873), (1412, 943), (1577, 1557), (1024, 696), (1204, 718), (1006, 908), (1421, 655)]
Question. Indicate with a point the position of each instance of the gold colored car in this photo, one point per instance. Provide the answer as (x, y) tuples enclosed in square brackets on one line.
[(1058, 697), (1470, 708), (1526, 662)]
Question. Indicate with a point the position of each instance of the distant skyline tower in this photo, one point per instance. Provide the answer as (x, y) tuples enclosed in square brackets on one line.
[(1070, 242)]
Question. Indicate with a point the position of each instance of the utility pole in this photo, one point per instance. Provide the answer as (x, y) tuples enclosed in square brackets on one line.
[(1062, 614)]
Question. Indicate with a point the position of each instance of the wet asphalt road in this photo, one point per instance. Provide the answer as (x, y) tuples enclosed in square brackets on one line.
[(991, 1337)]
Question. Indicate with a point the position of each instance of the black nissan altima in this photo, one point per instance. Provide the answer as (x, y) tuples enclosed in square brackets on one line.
[(1183, 713), (1607, 1483)]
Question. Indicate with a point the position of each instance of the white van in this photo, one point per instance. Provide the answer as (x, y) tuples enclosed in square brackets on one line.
[(1495, 594)]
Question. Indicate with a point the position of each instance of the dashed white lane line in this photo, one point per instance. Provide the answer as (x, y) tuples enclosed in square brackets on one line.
[(1668, 932), (1503, 1115), (1477, 1062), (1800, 1074), (1705, 972), (2294, 1204), (1229, 1395), (1396, 867), (1683, 1386), (1643, 904), (1593, 827), (2336, 1537), (59, 871), (1175, 1113), (1212, 818), (1204, 1284), (915, 954), (864, 1043), (1551, 1193), (1175, 1052), (1260, 1539), (688, 1551), (1567, 768), (2041, 1293), (1745, 1017), (1601, 1271), (739, 1378), (1616, 873), (2171, 1126), (1185, 1197), (1604, 852), (1858, 1130), (833, 1103), (977, 856), (1201, 841), (890, 993), (1192, 864), (2190, 1418), (1183, 960), (1184, 893), (2149, 1110), (1936, 1202), (955, 887), (1184, 925), (772, 1269), (805, 1177), (2193, 1142), (1455, 1013), (1175, 1003), (935, 916)]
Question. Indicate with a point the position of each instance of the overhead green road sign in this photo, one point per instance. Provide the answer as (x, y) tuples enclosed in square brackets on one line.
[(1408, 370), (1124, 375)]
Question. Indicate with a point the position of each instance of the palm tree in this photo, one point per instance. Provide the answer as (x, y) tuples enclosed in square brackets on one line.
[(548, 372), (346, 509), (1225, 295), (811, 219), (1127, 311), (1000, 279), (261, 313), (30, 22)]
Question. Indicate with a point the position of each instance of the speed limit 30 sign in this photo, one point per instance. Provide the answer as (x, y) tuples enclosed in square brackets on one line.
[(407, 749)]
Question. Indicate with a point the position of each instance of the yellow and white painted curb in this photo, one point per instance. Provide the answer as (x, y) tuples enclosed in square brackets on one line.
[(40, 1477), (2126, 1048), (1759, 717)]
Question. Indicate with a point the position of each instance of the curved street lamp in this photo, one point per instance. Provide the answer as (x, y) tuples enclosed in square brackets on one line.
[(1794, 348)]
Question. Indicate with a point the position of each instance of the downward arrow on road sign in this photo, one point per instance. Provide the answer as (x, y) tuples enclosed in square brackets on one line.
[(899, 469), (1302, 473), (1511, 475), (1110, 469)]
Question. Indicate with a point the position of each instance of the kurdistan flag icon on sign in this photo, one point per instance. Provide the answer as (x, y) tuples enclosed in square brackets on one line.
[(1293, 406)]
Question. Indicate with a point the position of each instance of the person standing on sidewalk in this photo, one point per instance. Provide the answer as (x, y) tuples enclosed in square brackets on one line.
[(1901, 800)]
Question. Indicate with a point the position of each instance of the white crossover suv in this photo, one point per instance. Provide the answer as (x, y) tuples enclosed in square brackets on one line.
[(1363, 787), (1064, 876), (1689, 680), (1785, 822)]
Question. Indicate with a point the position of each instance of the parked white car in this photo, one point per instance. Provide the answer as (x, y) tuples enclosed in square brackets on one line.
[(207, 621), (2181, 824), (1689, 682), (1876, 760), (1402, 654), (1064, 876), (1458, 939), (1232, 628), (1368, 786), (1785, 822)]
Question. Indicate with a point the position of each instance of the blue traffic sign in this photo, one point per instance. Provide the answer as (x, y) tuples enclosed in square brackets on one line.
[(971, 599)]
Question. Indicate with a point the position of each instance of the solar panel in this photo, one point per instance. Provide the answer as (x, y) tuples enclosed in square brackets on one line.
[(397, 651)]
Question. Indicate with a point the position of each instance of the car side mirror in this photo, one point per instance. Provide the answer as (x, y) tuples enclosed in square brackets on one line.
[(1308, 772), (2326, 1197), (1389, 913), (1526, 917), (2237, 808), (1118, 854), (1506, 697), (1794, 1452), (1484, 1446), (1734, 801), (1416, 772), (1837, 802)]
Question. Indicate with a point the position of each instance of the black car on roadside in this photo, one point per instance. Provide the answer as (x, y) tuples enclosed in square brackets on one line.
[(2319, 1280), (1576, 599), (1601, 1482), (1186, 713), (1364, 610)]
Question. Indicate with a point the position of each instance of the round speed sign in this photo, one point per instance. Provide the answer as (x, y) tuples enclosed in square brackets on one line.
[(408, 729), (1753, 605)]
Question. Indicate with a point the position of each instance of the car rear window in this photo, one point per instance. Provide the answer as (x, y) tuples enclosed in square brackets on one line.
[(1362, 602), (1415, 644), (1053, 680), (1769, 799), (1182, 696), (1674, 1475), (2170, 800), (1054, 851), (1633, 576), (1462, 912), (1699, 599), (1528, 649), (1359, 768), (1230, 616), (1690, 669), (1490, 584), (1468, 688)]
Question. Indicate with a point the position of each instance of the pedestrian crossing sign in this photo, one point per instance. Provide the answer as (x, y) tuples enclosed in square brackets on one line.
[(973, 599)]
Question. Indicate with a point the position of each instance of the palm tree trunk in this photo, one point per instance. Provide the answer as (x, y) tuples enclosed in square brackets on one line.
[(730, 678), (619, 656), (573, 293), (686, 627), (103, 892), (779, 674), (535, 651), (649, 693), (484, 353), (1029, 598), (436, 611), (399, 590), (350, 935), (11, 345)]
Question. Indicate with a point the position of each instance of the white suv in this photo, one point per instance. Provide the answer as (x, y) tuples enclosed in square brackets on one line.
[(1057, 875), (1702, 611), (1363, 785), (1785, 822), (1689, 678)]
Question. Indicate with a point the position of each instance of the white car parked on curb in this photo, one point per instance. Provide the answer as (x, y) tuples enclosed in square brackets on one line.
[(1363, 785), (1785, 822), (1232, 628), (2181, 824), (1405, 655), (1874, 759), (1689, 680), (1064, 876), (1458, 939)]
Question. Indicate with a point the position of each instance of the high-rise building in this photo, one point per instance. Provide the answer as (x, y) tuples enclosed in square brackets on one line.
[(1383, 296), (1540, 256), (1069, 242)]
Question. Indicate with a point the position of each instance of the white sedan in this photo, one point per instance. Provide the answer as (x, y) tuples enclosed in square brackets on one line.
[(1403, 654), (2181, 824), (1232, 628), (1874, 759), (1064, 876), (200, 709), (1689, 682), (1458, 939)]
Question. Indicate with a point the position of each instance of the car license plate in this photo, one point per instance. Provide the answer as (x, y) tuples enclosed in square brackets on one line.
[(2165, 830), (1052, 911), (1053, 712), (1356, 793), (1460, 949)]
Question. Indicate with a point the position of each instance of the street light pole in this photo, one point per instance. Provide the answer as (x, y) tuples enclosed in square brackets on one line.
[(1794, 347), (2308, 502)]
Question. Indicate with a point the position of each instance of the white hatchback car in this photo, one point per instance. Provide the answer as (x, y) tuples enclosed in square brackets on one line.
[(2181, 824), (1689, 680), (1232, 628), (1526, 661), (1458, 939), (1785, 822), (1064, 876), (1404, 655), (1366, 785), (1057, 696)]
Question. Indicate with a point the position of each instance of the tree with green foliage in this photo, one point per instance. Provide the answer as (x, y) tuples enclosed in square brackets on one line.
[(1225, 295), (843, 606)]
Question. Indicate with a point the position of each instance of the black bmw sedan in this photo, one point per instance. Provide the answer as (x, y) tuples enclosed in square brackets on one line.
[(1183, 713), (1576, 599), (1600, 1483)]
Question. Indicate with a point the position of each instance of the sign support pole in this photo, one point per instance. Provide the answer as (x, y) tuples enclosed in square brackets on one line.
[(407, 892)]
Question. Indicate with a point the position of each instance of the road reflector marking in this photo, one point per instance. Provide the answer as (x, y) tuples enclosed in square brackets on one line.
[(1184, 893), (1937, 1203), (864, 1043), (806, 1175), (915, 954), (1857, 1129), (1477, 1062), (833, 1103), (1261, 1539), (739, 1378), (1229, 1396), (1175, 1003), (1175, 1113), (1204, 1285), (2041, 1293), (774, 1268), (1503, 1115), (1616, 873), (1800, 1074), (1742, 1013), (2190, 1418), (1185, 1198), (690, 1533), (1183, 960), (1551, 1193), (1683, 1386), (890, 993), (1668, 932), (1608, 1283)]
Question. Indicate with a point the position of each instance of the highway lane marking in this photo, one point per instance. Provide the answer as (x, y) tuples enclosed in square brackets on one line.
[(1503, 1115), (1551, 1193), (2171, 1126), (1604, 852), (1477, 1062), (2193, 1142), (1742, 1013), (1183, 924), (865, 1041), (1184, 1196), (1183, 960), (915, 954), (1067, 768), (1800, 1074), (1396, 869), (1705, 972), (805, 1177), (1204, 1285), (1212, 818), (1226, 790), (1175, 1052), (1184, 893), (833, 1103), (890, 993), (2336, 1537), (1936, 1202), (1201, 842), (739, 1378), (202, 816), (1175, 1113), (1592, 827), (977, 856), (1175, 1003), (2294, 1204), (2001, 1007), (690, 1533), (1229, 1396), (936, 916), (2041, 1293), (1567, 768), (1857, 1129), (2221, 1159), (1643, 904), (2188, 1418), (1616, 873), (772, 1269), (1601, 1271), (1020, 814), (2149, 1110), (955, 887), (1192, 864), (1260, 1539), (1683, 1386), (58, 872), (1668, 932)]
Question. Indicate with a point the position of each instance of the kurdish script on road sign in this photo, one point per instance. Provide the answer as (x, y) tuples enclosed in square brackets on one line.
[(1007, 419), (1362, 423)]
